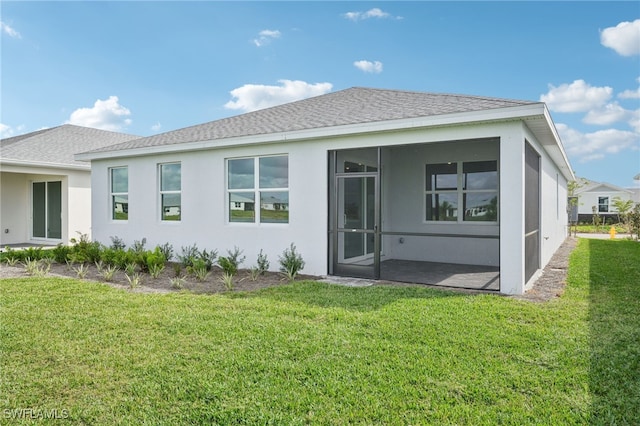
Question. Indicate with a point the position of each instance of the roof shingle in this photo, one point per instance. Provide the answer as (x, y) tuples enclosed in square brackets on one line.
[(58, 145), (351, 106)]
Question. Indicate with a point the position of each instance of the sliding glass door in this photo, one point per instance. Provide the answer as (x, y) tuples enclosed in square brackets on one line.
[(46, 202)]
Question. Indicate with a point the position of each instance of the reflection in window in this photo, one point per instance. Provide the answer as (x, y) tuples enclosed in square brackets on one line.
[(274, 207), (471, 185), (442, 206), (170, 191), (480, 191), (274, 172), (241, 173), (242, 207), (119, 193), (270, 186), (603, 204)]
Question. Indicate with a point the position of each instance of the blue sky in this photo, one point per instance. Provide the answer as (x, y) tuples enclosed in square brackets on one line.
[(150, 67)]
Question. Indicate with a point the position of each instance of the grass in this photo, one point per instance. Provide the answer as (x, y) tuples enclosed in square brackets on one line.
[(312, 353), (600, 229)]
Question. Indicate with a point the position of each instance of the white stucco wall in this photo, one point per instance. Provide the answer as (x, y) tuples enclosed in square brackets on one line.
[(16, 210), (586, 200), (204, 207), (14, 203)]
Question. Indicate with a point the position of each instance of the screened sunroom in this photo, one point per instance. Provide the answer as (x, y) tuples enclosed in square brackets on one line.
[(421, 213)]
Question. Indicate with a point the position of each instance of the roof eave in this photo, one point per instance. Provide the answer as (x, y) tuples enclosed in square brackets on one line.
[(497, 114), (44, 164)]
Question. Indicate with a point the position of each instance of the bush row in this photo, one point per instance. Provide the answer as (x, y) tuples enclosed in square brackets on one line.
[(195, 261)]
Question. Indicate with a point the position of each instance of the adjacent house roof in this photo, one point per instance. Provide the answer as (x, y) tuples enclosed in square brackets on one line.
[(593, 186), (55, 147), (351, 111)]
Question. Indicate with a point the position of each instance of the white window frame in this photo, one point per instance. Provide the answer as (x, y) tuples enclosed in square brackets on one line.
[(162, 192), (256, 191), (604, 204), (460, 192), (113, 194)]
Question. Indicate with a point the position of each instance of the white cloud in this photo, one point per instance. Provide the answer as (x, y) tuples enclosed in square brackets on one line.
[(609, 114), (576, 97), (106, 114), (368, 66), (592, 146), (624, 38), (251, 97), (371, 13), (5, 131), (265, 37), (630, 94), (634, 120), (9, 31), (156, 127)]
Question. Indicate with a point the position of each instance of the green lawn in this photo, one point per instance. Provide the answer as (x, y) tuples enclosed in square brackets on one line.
[(312, 353)]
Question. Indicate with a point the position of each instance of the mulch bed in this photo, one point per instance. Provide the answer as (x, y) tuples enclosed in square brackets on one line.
[(549, 286), (242, 281)]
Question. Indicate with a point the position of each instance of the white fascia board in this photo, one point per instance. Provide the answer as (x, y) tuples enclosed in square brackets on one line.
[(497, 114), (44, 164), (557, 149)]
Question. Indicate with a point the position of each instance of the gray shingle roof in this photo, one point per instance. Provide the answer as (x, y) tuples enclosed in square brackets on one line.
[(351, 106), (58, 145)]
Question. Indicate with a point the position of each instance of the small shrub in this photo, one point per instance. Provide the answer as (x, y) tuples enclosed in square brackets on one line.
[(155, 270), (123, 258), (263, 263), (177, 282), (33, 253), (231, 262), (254, 273), (81, 270), (209, 258), (177, 270), (37, 268), (61, 253), (227, 281), (108, 272), (188, 256), (130, 268), (199, 270), (109, 256), (99, 266), (117, 243), (291, 263), (167, 250), (235, 257), (83, 250), (11, 256), (138, 246), (134, 280), (148, 259)]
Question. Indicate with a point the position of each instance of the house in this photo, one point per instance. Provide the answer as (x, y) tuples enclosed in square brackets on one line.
[(45, 193), (368, 183), (597, 197)]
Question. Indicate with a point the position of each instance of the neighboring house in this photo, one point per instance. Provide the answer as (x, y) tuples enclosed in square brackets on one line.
[(45, 193), (365, 182), (598, 197)]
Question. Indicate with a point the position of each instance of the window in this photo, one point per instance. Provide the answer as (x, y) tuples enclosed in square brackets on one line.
[(462, 191), (261, 179), (170, 192), (603, 204), (119, 182)]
